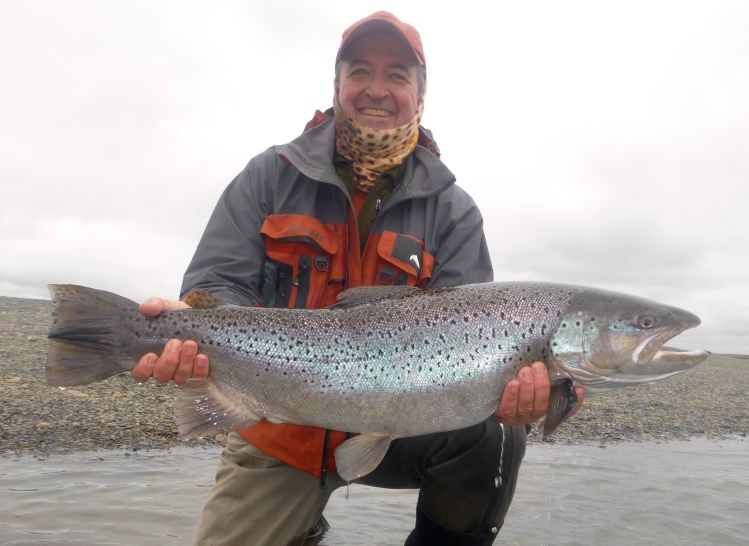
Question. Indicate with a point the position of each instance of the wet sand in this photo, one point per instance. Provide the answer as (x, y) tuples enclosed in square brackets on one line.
[(711, 401)]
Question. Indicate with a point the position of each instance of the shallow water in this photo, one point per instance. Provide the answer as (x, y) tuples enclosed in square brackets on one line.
[(694, 492)]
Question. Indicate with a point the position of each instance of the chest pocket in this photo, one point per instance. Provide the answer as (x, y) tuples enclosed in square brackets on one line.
[(397, 259), (301, 266)]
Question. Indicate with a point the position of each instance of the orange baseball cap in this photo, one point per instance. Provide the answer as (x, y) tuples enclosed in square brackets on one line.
[(384, 21)]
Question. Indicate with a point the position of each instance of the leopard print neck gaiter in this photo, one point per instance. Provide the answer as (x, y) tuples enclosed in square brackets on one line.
[(373, 151)]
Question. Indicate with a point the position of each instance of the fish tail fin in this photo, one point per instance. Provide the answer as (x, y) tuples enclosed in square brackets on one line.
[(84, 338), (201, 409), (562, 403)]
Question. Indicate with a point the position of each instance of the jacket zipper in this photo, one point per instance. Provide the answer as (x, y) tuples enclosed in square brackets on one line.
[(324, 463)]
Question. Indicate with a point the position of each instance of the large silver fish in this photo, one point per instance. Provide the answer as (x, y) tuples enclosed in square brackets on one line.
[(385, 362)]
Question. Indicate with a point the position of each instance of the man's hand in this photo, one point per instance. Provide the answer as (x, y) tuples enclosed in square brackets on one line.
[(179, 361), (526, 399)]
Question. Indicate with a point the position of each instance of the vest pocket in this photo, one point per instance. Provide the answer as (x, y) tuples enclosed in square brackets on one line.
[(299, 250), (399, 259), (277, 278)]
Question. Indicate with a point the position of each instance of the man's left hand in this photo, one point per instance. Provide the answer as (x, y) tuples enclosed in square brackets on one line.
[(526, 399)]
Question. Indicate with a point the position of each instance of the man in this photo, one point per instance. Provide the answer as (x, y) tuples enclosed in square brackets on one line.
[(360, 198)]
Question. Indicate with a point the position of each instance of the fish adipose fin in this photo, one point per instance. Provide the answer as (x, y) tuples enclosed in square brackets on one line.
[(360, 455), (201, 409), (83, 338), (562, 402)]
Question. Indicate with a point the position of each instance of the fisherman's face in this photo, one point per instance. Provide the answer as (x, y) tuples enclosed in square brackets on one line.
[(378, 84)]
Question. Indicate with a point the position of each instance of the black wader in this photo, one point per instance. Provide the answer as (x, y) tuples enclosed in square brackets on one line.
[(464, 495)]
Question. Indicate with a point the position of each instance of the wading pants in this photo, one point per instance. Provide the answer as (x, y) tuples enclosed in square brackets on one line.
[(466, 480)]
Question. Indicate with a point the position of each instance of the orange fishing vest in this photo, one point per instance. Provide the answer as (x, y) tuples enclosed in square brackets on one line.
[(313, 263)]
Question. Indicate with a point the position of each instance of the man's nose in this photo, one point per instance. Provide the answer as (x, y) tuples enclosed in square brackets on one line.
[(377, 89)]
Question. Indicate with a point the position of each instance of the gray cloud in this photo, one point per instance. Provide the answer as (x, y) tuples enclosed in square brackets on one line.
[(596, 158)]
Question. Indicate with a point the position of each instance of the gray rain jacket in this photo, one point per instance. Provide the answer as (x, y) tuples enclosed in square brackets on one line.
[(284, 234), (287, 219)]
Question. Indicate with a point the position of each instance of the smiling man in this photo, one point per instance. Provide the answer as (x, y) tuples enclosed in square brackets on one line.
[(360, 198), (378, 83)]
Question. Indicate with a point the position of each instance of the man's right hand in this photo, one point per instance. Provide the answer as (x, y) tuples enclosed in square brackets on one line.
[(179, 361)]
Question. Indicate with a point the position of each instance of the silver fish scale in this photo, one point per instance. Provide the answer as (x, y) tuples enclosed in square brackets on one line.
[(442, 354)]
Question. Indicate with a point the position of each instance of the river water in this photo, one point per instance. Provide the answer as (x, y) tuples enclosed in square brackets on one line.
[(685, 492)]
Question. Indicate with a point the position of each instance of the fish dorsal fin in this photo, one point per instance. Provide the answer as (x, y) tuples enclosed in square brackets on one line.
[(562, 402), (202, 409), (362, 295), (201, 299), (360, 455)]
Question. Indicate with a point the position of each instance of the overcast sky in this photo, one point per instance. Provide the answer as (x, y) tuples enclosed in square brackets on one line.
[(607, 143)]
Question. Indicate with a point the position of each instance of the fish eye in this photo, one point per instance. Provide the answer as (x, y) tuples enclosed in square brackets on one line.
[(646, 322)]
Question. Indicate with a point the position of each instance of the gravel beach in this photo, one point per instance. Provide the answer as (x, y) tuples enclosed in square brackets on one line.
[(711, 400)]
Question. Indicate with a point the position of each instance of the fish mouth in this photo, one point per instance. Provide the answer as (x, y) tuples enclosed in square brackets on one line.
[(647, 349), (667, 362), (669, 357), (651, 361)]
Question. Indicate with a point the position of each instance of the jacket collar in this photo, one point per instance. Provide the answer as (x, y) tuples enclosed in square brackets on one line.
[(312, 153)]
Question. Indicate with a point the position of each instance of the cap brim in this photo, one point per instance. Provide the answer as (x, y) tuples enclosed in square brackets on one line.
[(377, 25)]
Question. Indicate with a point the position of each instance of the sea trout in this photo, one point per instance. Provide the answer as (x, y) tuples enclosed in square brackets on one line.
[(384, 362)]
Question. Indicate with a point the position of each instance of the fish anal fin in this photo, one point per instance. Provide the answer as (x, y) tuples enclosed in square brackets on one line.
[(562, 403), (360, 455), (201, 299), (201, 409)]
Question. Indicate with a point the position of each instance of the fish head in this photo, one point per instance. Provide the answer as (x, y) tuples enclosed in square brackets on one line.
[(606, 340)]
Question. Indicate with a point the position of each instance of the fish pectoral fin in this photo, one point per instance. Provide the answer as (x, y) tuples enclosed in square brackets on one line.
[(360, 455), (562, 402), (202, 409), (201, 299)]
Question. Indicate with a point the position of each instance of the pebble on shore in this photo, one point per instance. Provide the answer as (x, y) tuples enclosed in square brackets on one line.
[(711, 400)]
